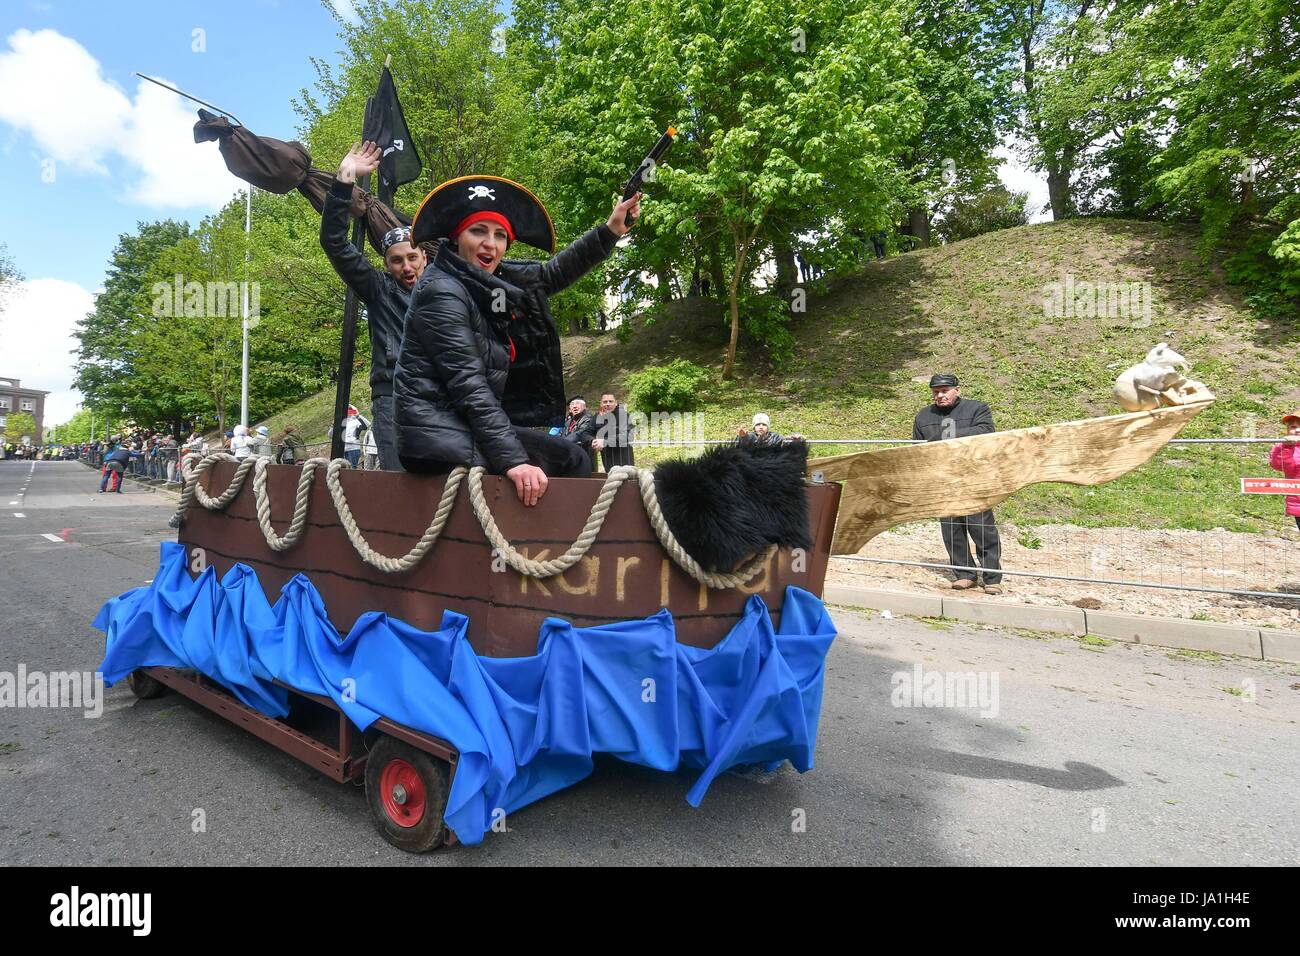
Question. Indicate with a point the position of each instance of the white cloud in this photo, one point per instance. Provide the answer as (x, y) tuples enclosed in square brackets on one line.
[(177, 171), (52, 87), (36, 340), (1018, 177), (54, 90), (347, 9)]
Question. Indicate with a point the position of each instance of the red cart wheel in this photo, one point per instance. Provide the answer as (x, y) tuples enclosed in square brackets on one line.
[(144, 686), (407, 792)]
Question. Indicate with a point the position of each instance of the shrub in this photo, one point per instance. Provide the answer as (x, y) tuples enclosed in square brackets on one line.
[(675, 387)]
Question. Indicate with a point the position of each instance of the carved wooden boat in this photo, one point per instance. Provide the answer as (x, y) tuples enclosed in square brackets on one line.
[(626, 574)]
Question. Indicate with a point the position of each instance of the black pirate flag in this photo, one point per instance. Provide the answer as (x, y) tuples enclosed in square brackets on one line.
[(386, 127)]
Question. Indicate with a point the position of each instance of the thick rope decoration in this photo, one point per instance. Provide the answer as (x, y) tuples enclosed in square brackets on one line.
[(359, 543), (194, 469)]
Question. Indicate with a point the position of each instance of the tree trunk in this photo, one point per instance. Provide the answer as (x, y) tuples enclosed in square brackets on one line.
[(733, 296), (786, 272), (729, 366), (1058, 190), (665, 277), (918, 227), (715, 270)]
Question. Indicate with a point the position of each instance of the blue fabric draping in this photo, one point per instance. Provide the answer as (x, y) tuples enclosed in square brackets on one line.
[(524, 727)]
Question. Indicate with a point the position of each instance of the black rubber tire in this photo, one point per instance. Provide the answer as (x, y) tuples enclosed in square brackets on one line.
[(144, 686), (431, 832)]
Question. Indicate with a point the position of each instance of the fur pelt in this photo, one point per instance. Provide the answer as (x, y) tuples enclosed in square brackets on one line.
[(735, 500)]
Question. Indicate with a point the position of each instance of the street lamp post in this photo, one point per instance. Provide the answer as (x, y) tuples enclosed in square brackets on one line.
[(248, 251)]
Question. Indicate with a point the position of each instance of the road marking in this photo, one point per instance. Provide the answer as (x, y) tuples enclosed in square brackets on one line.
[(13, 502), (52, 537), (19, 514)]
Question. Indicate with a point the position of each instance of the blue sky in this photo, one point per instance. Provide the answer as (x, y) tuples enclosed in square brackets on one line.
[(253, 60), (90, 149)]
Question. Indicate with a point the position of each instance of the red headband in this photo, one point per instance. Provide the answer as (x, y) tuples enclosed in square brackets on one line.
[(484, 215)]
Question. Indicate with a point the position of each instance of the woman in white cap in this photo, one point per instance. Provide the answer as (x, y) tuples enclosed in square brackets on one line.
[(262, 442), (241, 446)]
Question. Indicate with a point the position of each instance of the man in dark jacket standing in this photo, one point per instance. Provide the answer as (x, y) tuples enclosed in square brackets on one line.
[(386, 293), (614, 433), (951, 416), (580, 427)]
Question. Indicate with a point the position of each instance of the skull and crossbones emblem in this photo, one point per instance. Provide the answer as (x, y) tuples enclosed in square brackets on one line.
[(478, 192)]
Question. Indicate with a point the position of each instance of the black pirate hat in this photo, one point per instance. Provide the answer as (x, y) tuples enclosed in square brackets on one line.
[(453, 205)]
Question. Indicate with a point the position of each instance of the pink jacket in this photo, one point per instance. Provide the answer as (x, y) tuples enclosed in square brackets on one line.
[(1286, 459)]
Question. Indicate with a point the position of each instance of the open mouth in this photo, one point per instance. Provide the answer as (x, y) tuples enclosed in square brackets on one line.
[(484, 261)]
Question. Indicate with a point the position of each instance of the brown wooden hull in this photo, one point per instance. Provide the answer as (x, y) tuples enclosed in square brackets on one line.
[(626, 574)]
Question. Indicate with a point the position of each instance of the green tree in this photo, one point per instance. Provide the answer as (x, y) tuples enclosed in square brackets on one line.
[(778, 106), (1192, 110), (964, 70), (997, 208), (18, 425), (10, 276), (108, 345), (1052, 35), (463, 109), (76, 429)]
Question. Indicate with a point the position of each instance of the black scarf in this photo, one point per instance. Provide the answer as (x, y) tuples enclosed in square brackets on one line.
[(482, 286)]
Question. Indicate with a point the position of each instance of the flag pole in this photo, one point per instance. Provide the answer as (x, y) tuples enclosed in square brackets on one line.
[(188, 97), (248, 240), (347, 347)]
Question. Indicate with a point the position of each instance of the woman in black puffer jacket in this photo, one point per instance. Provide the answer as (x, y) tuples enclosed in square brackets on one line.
[(463, 392)]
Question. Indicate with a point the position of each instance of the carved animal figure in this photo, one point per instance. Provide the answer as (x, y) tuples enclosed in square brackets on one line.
[(1155, 381)]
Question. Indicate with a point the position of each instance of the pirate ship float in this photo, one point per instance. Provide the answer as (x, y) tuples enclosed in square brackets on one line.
[(466, 656)]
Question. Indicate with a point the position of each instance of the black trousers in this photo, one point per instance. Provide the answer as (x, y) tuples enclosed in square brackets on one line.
[(556, 456), (381, 407), (988, 546)]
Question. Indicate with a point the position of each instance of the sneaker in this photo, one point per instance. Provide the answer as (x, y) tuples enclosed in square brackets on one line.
[(992, 589), (962, 584)]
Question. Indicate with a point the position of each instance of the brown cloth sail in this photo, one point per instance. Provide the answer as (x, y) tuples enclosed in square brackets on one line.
[(278, 167), (964, 476)]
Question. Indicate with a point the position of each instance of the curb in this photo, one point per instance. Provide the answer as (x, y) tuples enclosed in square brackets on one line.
[(1259, 643)]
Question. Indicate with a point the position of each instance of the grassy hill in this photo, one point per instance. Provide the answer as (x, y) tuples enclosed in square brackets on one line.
[(870, 340)]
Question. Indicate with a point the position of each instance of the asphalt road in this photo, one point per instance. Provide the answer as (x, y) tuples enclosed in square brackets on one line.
[(1093, 755)]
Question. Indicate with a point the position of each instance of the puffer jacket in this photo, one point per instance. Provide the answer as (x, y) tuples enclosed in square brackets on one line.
[(467, 370), (1286, 459)]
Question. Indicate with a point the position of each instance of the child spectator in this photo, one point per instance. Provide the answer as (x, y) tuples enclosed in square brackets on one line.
[(1285, 457)]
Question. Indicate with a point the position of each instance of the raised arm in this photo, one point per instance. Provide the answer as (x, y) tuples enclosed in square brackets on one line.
[(590, 249), (348, 261)]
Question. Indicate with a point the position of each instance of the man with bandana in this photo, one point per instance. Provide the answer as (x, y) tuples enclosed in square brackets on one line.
[(386, 292)]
